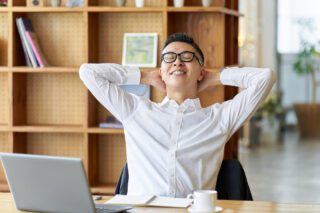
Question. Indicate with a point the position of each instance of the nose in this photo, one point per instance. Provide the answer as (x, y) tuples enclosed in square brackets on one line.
[(178, 62)]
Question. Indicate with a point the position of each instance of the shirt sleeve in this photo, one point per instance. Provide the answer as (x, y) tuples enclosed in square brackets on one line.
[(256, 84), (103, 82)]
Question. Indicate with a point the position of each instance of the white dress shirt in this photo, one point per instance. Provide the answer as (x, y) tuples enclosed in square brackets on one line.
[(174, 149)]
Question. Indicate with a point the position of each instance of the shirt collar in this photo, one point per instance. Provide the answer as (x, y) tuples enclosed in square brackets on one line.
[(192, 104)]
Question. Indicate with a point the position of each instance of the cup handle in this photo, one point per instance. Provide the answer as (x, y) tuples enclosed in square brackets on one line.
[(190, 196)]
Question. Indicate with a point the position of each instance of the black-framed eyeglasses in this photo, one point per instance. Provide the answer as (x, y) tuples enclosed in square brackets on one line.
[(185, 56)]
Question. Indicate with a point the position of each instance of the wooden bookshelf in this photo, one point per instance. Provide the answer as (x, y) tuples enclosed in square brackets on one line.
[(49, 111)]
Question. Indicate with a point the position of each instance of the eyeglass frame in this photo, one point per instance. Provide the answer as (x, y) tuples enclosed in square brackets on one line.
[(179, 55)]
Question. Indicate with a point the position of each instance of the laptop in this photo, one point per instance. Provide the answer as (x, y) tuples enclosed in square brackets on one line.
[(51, 184)]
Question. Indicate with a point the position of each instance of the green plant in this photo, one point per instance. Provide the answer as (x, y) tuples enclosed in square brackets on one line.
[(271, 108), (308, 59)]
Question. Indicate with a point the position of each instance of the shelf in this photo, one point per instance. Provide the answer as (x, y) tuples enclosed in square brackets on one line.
[(24, 69), (4, 69), (121, 9), (4, 128), (205, 9), (103, 189), (104, 130), (126, 9), (48, 9), (50, 129)]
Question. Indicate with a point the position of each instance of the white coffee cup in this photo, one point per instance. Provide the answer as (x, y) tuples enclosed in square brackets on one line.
[(178, 3), (139, 3), (206, 3), (204, 200)]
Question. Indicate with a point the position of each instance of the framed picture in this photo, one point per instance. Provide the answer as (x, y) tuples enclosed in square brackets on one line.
[(140, 49)]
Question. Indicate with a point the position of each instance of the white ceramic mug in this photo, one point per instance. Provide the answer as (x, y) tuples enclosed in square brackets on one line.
[(178, 3), (204, 200), (55, 3), (206, 3), (120, 3), (139, 3)]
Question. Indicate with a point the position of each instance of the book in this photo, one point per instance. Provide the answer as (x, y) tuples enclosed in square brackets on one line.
[(111, 125), (151, 200), (111, 122), (32, 39), (22, 29), (24, 48)]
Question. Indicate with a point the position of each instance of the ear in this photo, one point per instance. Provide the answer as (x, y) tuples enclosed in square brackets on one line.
[(202, 74)]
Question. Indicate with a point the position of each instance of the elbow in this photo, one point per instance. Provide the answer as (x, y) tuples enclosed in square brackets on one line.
[(271, 76), (83, 70)]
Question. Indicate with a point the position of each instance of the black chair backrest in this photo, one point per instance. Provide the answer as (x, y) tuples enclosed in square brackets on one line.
[(231, 184)]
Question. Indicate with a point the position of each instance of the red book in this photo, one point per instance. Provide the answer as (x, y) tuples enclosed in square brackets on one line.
[(32, 38)]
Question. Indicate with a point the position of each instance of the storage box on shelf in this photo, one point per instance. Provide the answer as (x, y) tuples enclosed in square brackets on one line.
[(49, 111)]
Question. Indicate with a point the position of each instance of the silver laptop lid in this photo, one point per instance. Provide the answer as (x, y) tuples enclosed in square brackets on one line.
[(47, 184)]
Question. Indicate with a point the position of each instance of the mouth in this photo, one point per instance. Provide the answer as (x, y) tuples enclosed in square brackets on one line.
[(178, 72)]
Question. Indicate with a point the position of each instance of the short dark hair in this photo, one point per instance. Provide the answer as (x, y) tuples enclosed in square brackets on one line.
[(184, 37)]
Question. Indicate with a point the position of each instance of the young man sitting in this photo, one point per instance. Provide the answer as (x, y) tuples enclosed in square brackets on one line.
[(176, 146)]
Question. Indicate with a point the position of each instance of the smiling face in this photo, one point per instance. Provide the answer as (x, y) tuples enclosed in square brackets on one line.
[(181, 75)]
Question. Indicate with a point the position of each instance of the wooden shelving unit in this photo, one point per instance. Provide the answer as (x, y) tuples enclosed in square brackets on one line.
[(49, 111)]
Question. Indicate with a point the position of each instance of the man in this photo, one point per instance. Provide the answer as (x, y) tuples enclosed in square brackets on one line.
[(176, 146)]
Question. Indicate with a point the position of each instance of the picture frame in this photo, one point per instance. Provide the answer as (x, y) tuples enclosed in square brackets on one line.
[(140, 49)]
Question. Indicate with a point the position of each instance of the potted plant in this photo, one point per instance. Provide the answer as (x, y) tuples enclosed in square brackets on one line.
[(270, 115), (308, 63)]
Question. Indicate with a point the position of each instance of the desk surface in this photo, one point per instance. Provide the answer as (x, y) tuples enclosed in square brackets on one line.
[(7, 205)]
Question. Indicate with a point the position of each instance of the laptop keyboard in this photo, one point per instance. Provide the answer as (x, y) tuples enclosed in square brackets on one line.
[(101, 208)]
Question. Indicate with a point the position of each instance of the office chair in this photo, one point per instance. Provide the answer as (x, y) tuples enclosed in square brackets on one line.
[(231, 184)]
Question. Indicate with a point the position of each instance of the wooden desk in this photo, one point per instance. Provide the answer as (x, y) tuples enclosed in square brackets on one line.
[(7, 206)]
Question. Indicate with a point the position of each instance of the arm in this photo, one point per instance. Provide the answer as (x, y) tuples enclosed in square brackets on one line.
[(102, 81), (209, 81), (257, 83), (153, 78)]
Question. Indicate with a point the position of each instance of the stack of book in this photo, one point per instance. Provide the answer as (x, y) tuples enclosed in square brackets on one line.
[(111, 122), (32, 52)]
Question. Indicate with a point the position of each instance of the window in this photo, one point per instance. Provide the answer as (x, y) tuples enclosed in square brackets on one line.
[(289, 13)]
